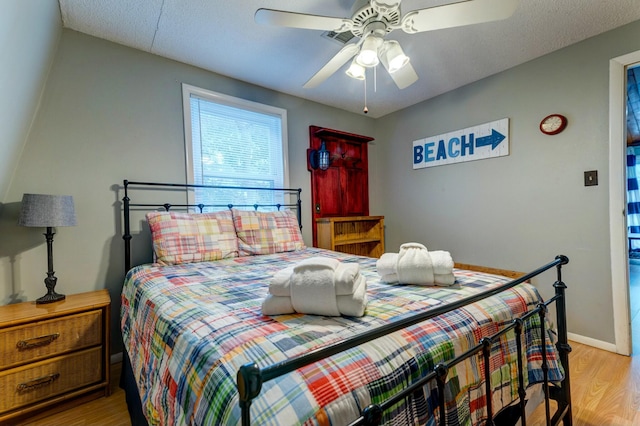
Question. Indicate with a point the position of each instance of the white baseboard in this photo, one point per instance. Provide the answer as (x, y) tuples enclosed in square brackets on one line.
[(116, 358), (606, 346)]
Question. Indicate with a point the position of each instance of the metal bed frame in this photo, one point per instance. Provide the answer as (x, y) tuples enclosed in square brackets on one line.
[(127, 205), (250, 377)]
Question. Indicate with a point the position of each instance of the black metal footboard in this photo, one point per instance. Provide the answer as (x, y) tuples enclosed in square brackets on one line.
[(250, 377)]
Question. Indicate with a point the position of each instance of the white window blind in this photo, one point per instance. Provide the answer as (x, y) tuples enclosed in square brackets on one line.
[(234, 142)]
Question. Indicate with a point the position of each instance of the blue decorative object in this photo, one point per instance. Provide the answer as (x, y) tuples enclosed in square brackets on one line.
[(320, 158)]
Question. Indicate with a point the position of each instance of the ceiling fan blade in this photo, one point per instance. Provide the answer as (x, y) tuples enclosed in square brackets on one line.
[(301, 20), (457, 15), (334, 64), (405, 76)]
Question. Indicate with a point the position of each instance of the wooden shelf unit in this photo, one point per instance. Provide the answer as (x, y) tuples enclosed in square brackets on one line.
[(361, 235)]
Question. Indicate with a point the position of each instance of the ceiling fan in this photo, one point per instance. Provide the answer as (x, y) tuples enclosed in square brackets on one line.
[(373, 20)]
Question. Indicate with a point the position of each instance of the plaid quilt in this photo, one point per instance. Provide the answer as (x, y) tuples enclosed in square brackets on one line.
[(188, 328)]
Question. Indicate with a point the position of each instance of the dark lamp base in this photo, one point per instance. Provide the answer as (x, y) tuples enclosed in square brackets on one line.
[(50, 297), (51, 280)]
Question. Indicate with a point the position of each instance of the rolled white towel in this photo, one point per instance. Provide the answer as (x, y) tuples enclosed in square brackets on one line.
[(412, 245), (318, 286), (276, 305), (389, 278), (444, 280), (354, 304), (346, 278), (442, 262), (280, 282), (387, 264), (316, 263), (313, 290), (414, 264)]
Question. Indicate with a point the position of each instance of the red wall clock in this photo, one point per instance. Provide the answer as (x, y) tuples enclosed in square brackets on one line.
[(553, 124)]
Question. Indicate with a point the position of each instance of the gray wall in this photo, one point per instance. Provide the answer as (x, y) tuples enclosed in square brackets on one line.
[(109, 113), (29, 33), (519, 211)]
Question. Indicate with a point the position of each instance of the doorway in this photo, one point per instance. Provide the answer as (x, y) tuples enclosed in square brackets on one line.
[(620, 264), (634, 303), (633, 198)]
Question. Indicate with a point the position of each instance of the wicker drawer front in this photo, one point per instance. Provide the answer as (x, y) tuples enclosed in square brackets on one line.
[(26, 343), (21, 386)]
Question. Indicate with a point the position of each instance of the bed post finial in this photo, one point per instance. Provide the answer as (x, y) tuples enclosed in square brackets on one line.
[(372, 415), (564, 394), (487, 343), (299, 209), (441, 371), (249, 382), (126, 236)]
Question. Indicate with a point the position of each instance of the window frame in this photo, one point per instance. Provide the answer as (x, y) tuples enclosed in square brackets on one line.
[(232, 101)]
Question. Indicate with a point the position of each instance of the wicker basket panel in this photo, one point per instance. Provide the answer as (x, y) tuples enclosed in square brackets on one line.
[(26, 343), (21, 386)]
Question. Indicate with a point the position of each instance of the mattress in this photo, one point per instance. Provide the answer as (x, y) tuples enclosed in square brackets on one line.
[(188, 328)]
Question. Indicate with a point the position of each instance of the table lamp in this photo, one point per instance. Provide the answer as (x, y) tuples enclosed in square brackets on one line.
[(48, 211)]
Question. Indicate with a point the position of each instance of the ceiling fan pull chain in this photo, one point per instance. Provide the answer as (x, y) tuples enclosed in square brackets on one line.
[(375, 79), (365, 110)]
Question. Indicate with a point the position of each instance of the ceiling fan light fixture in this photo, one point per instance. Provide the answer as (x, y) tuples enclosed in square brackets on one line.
[(372, 20), (356, 70), (368, 56), (392, 56)]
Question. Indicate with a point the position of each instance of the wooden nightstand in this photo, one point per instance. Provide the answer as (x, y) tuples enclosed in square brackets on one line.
[(53, 355)]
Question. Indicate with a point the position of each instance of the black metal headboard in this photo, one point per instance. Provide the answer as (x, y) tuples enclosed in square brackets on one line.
[(131, 185)]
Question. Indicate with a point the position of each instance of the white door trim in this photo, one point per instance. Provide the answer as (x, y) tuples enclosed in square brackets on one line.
[(617, 200)]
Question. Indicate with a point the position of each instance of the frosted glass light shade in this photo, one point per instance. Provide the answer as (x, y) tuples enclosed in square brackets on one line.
[(368, 56), (393, 57), (356, 70)]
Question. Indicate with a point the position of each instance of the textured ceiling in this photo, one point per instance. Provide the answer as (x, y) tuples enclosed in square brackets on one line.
[(221, 36)]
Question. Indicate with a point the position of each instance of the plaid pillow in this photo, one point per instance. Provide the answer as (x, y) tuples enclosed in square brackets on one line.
[(192, 237), (267, 232)]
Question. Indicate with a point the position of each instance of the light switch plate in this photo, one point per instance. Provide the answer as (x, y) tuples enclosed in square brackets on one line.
[(591, 178)]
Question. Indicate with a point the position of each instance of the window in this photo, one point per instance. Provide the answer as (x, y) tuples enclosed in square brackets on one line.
[(233, 142)]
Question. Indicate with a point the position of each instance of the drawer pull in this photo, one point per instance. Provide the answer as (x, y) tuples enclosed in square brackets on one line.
[(37, 341), (37, 383)]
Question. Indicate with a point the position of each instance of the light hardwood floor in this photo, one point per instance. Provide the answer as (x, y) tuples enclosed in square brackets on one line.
[(605, 391), (109, 411), (605, 388)]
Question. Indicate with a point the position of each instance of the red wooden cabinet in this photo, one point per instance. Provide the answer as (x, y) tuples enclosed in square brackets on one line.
[(342, 189)]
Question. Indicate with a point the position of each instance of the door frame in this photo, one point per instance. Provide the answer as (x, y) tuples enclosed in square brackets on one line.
[(618, 199)]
